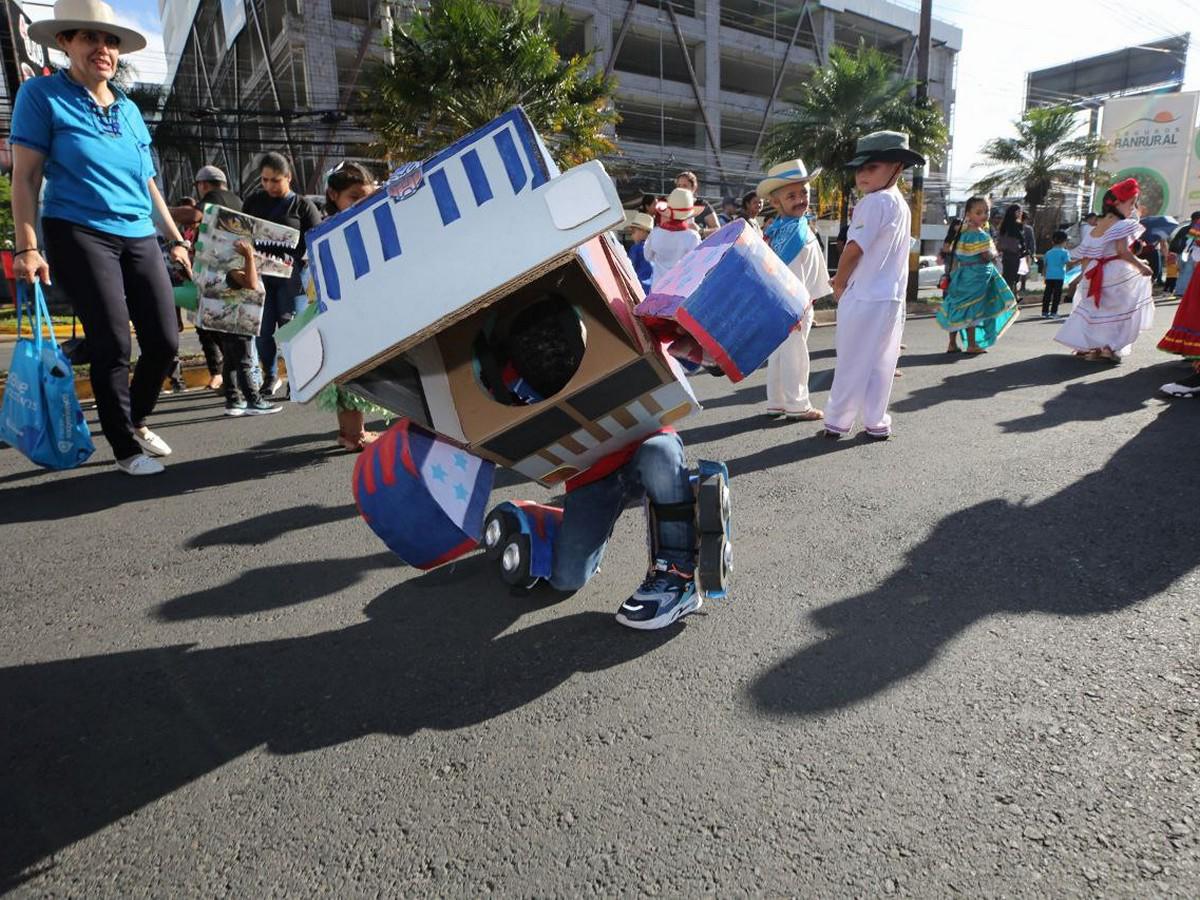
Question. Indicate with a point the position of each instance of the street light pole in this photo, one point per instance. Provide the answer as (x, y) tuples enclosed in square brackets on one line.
[(918, 177)]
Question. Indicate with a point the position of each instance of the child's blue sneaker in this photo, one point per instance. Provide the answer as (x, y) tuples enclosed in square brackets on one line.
[(667, 595)]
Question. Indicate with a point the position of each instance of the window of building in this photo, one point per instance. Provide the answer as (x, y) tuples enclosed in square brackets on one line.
[(649, 125), (643, 55), (767, 18)]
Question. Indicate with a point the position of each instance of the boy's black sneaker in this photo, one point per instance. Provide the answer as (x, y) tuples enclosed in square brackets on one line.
[(667, 595), (235, 407), (261, 407)]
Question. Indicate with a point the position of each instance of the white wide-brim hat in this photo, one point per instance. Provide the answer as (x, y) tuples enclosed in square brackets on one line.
[(793, 171), (682, 204), (89, 15)]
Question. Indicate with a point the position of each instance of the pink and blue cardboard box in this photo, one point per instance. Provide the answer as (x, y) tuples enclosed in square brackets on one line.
[(731, 296)]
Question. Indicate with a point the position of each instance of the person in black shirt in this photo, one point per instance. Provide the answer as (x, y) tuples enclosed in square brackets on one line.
[(278, 203)]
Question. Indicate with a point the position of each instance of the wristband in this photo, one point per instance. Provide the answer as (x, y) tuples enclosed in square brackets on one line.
[(27, 250)]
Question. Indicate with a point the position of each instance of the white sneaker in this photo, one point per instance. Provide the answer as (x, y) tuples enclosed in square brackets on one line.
[(140, 465), (151, 442)]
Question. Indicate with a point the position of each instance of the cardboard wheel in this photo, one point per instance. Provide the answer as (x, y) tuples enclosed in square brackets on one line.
[(496, 530), (716, 560), (714, 505), (515, 559)]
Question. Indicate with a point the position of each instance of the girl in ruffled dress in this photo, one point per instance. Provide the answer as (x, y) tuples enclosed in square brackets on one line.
[(1112, 304), (977, 302)]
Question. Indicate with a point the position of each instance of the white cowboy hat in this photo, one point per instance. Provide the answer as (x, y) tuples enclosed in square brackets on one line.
[(682, 204), (91, 15), (793, 171), (642, 220)]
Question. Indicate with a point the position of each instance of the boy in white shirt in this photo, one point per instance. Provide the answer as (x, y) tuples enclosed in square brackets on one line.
[(870, 286), (789, 235)]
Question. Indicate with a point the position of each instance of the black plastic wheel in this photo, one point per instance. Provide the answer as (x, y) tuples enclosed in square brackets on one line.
[(496, 530), (716, 559), (515, 559), (714, 505)]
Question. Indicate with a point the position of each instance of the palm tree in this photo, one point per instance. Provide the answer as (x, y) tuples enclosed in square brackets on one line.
[(1046, 155), (461, 63), (855, 93)]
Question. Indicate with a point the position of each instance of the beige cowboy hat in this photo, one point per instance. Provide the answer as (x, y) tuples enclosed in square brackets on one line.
[(92, 15), (682, 204), (643, 221), (793, 171)]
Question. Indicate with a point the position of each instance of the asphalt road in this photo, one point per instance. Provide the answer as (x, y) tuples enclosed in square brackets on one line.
[(960, 663)]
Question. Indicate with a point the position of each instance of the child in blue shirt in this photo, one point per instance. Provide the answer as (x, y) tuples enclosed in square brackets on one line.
[(1054, 264), (639, 230)]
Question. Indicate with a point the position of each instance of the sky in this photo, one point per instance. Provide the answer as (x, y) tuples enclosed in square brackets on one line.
[(1002, 41)]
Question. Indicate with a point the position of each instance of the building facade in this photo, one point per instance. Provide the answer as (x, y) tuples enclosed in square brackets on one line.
[(696, 79), (264, 75)]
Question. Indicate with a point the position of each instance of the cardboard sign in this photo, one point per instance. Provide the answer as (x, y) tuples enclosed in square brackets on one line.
[(732, 296), (220, 304)]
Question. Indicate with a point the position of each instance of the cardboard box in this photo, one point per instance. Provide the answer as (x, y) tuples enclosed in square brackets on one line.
[(732, 296), (416, 282)]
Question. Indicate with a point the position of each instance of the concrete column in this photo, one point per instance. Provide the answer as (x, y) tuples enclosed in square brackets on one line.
[(824, 20), (598, 36), (316, 34), (711, 78)]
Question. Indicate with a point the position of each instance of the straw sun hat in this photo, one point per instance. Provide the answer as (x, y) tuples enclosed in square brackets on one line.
[(90, 15), (682, 204), (793, 171)]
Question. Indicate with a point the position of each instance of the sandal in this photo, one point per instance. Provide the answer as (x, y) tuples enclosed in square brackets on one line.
[(975, 351), (356, 443)]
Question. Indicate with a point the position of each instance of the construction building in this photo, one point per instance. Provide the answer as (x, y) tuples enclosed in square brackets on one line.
[(699, 80)]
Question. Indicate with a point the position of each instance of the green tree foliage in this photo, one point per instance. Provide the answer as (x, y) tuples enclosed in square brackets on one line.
[(1046, 155), (461, 63), (856, 92)]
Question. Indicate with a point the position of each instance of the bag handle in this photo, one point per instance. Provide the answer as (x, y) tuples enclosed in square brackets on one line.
[(41, 314)]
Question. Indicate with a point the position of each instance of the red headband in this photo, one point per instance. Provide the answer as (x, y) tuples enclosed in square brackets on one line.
[(1125, 190)]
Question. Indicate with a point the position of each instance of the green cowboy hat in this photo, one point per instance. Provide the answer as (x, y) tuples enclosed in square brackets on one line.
[(885, 146)]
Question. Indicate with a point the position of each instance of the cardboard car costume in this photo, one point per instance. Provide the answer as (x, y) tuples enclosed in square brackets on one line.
[(416, 287)]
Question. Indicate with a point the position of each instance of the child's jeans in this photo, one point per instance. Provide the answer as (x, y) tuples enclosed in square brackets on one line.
[(235, 369), (658, 470), (1052, 296)]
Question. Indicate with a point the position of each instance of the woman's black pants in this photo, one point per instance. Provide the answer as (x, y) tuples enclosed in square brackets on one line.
[(112, 281)]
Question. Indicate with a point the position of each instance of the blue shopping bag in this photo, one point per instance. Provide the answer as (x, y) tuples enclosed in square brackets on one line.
[(40, 413)]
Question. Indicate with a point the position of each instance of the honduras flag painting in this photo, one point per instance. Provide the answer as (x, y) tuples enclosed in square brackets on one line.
[(423, 496)]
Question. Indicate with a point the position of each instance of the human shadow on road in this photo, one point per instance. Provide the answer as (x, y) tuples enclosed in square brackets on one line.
[(89, 741), (1094, 400), (266, 527), (982, 382), (807, 445), (1132, 533), (64, 496), (275, 587)]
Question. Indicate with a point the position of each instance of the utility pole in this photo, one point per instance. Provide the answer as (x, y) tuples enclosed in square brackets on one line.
[(918, 178)]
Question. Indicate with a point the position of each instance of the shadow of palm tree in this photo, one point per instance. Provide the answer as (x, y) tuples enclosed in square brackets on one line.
[(1141, 506), (88, 741)]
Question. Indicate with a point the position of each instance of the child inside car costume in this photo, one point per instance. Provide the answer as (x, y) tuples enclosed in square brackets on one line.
[(531, 358)]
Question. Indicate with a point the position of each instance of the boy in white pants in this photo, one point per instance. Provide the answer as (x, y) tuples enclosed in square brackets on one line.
[(870, 287), (786, 186)]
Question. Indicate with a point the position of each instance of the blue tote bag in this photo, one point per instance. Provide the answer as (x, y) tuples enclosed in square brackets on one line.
[(40, 413)]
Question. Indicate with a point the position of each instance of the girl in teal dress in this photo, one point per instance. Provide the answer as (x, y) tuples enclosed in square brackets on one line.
[(977, 301), (345, 185)]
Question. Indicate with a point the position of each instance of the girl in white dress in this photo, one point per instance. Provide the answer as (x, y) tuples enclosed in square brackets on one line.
[(1113, 302)]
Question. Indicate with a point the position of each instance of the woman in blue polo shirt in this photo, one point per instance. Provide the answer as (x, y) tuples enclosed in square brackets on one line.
[(100, 210)]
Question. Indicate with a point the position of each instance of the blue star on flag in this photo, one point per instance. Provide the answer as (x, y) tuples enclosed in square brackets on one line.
[(438, 473), (460, 460), (461, 492)]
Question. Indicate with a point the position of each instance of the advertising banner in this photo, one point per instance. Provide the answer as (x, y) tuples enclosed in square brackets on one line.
[(1152, 139)]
